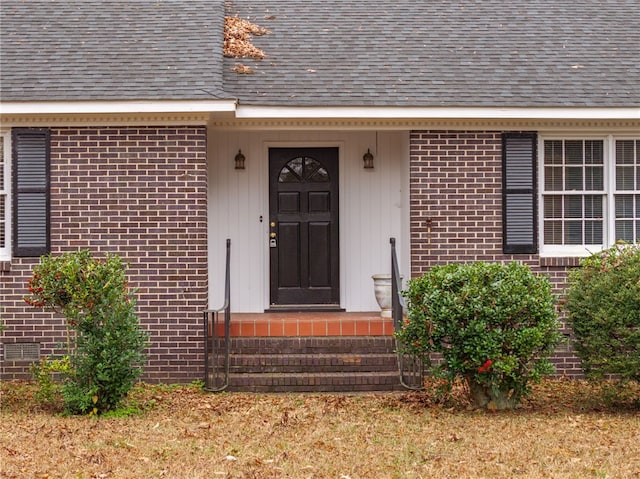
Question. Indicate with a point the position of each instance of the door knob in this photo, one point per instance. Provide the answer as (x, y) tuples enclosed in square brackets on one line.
[(272, 235)]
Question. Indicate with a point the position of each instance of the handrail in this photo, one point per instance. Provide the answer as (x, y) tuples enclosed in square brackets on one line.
[(398, 304), (411, 367), (216, 348)]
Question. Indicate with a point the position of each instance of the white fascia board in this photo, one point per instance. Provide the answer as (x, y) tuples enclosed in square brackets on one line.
[(93, 107), (271, 112)]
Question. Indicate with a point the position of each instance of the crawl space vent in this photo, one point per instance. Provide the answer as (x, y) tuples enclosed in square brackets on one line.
[(21, 351)]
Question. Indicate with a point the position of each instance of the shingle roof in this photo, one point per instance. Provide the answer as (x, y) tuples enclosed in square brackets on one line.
[(327, 52), (111, 50), (441, 53)]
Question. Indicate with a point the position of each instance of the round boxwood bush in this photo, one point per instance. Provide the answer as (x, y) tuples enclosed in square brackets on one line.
[(494, 325), (603, 304)]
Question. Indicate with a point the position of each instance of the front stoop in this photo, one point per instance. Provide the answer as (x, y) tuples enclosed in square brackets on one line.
[(313, 364)]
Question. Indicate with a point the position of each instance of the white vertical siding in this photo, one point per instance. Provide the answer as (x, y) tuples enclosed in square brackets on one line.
[(373, 207)]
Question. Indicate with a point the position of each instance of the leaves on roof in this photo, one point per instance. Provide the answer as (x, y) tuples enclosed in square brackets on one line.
[(243, 69), (237, 39)]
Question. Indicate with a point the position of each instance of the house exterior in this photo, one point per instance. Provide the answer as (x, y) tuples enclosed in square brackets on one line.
[(499, 132)]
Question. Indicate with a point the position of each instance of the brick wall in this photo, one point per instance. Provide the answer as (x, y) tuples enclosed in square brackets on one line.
[(456, 209), (139, 192)]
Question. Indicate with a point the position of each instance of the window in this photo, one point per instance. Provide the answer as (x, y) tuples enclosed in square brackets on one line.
[(5, 207), (30, 191), (627, 191), (590, 194)]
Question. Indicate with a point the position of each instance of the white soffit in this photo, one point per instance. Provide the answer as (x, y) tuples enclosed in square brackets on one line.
[(107, 107), (269, 112)]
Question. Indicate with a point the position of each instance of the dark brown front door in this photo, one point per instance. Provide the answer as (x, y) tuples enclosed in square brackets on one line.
[(303, 220)]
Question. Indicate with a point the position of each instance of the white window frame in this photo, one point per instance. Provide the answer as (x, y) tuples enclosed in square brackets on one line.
[(5, 190), (609, 184)]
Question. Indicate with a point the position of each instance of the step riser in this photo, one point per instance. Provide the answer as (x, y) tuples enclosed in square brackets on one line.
[(312, 345), (313, 364), (315, 383)]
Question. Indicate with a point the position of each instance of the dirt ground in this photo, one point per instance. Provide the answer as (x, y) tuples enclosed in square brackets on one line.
[(567, 429)]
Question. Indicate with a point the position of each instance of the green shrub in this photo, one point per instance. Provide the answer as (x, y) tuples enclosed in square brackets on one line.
[(44, 373), (105, 342), (603, 304), (494, 325)]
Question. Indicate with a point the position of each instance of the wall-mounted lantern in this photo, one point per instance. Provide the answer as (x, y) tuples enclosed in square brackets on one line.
[(368, 159), (239, 160)]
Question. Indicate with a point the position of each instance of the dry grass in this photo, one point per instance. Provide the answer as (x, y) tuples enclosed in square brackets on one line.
[(563, 431)]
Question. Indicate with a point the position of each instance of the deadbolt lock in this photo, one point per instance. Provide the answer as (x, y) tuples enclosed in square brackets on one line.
[(273, 224)]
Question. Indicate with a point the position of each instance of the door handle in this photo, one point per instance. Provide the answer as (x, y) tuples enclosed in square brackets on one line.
[(273, 243)]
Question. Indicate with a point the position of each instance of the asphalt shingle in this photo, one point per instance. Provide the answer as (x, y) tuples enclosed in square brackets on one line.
[(437, 53), (111, 50), (327, 53)]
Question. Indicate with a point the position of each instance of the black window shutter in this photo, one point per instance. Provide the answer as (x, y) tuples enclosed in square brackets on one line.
[(519, 208), (31, 158)]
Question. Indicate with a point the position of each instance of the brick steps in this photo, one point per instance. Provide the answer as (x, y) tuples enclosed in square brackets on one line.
[(316, 382), (313, 364), (302, 363)]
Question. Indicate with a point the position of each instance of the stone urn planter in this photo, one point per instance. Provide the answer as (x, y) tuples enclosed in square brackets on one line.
[(382, 290)]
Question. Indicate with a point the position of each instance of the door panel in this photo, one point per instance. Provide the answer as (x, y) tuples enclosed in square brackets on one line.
[(289, 255), (319, 254), (304, 238)]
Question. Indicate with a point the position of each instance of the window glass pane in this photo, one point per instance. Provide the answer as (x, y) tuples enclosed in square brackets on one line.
[(2, 221), (553, 178), (553, 152), (288, 176), (594, 178), (593, 152), (2, 196), (624, 230), (573, 232), (574, 178), (593, 206), (553, 206), (573, 207), (296, 165), (624, 152), (624, 206), (319, 176), (573, 152), (553, 232), (624, 177), (310, 165), (593, 232), (2, 187)]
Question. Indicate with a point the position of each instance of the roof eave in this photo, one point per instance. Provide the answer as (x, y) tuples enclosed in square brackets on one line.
[(409, 113), (120, 107)]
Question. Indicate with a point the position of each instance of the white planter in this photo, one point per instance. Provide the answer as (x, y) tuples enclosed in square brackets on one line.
[(382, 290)]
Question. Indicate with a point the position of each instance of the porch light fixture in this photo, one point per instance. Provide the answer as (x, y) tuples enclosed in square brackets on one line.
[(239, 160), (368, 159)]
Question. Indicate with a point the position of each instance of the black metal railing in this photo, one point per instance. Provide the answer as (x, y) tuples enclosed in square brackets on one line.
[(410, 366), (217, 326)]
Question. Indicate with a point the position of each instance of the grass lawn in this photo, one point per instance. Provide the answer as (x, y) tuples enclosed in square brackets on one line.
[(565, 430)]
